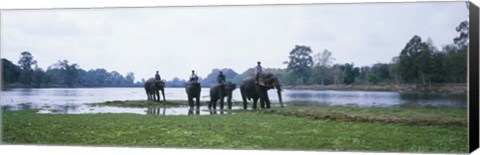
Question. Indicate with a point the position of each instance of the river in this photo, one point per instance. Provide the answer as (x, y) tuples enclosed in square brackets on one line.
[(73, 100)]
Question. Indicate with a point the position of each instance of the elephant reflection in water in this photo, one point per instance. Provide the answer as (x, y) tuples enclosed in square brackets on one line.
[(214, 112), (156, 111), (190, 111)]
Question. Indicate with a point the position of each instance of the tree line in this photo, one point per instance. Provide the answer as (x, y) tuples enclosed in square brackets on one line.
[(61, 74), (419, 62)]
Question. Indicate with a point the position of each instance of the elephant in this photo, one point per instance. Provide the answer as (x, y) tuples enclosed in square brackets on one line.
[(251, 90), (193, 90), (219, 92), (152, 89)]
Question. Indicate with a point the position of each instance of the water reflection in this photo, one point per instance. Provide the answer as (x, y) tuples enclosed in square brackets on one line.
[(434, 99), (156, 111), (190, 111), (214, 112)]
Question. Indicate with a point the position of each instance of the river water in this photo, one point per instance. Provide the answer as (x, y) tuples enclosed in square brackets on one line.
[(73, 100)]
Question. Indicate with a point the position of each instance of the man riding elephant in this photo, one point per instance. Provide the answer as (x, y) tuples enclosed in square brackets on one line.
[(258, 74), (221, 78), (193, 77), (157, 77)]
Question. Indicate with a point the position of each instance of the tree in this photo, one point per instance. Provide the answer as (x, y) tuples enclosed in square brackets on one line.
[(350, 73), (26, 62), (10, 72), (324, 58), (321, 70), (70, 72), (424, 61), (462, 40), (457, 56), (338, 73), (394, 70), (129, 78), (38, 77), (300, 62), (407, 68)]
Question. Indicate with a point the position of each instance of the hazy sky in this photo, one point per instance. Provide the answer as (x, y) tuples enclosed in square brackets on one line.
[(175, 40)]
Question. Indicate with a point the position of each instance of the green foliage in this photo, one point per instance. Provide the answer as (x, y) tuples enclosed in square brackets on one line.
[(26, 61), (350, 73), (373, 79), (300, 62), (60, 74), (462, 40), (10, 72), (408, 69), (242, 130)]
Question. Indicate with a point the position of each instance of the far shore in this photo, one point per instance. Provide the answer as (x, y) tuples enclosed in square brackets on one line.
[(456, 88), (460, 88)]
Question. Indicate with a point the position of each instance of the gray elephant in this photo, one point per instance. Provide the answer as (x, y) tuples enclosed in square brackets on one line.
[(193, 90), (251, 90), (219, 92), (152, 89)]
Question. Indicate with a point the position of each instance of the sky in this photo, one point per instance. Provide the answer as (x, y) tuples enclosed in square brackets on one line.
[(176, 40)]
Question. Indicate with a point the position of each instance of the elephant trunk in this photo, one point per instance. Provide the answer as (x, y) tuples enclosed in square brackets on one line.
[(163, 94), (279, 92), (280, 97)]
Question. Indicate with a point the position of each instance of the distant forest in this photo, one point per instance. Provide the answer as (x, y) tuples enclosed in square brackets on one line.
[(419, 62)]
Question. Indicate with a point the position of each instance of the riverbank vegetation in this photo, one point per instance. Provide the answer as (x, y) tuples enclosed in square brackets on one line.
[(275, 129)]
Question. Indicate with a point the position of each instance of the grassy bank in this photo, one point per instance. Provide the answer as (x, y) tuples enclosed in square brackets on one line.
[(262, 129), (402, 115)]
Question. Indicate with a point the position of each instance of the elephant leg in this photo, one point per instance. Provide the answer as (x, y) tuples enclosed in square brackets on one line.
[(267, 101), (163, 94), (210, 104), (157, 94), (255, 103), (214, 104), (190, 101), (229, 101), (221, 103), (262, 103), (244, 99), (198, 102), (148, 96)]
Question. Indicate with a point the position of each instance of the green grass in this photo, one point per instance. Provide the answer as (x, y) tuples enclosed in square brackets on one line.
[(244, 130), (406, 115)]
